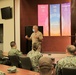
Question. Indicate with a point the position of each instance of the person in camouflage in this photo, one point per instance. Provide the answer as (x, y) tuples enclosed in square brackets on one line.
[(34, 55), (46, 66), (69, 61), (14, 50), (36, 36)]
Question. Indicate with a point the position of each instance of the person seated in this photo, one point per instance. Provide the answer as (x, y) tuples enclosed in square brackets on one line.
[(69, 61), (46, 66), (14, 50), (34, 55), (4, 59)]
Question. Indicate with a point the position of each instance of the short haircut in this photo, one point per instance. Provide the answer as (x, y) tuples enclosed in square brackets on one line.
[(35, 26), (12, 43), (35, 46), (71, 49)]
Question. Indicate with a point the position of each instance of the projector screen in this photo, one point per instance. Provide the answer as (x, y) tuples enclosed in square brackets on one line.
[(55, 20), (66, 19), (43, 18)]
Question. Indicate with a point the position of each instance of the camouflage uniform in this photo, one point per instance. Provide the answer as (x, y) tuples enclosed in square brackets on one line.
[(2, 73), (67, 62), (34, 56), (14, 51)]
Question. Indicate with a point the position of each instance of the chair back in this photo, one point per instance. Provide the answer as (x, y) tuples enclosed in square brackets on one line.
[(1, 54), (26, 63), (15, 61), (69, 71)]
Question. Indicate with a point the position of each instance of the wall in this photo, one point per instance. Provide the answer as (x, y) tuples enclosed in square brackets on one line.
[(73, 20), (28, 16), (8, 25)]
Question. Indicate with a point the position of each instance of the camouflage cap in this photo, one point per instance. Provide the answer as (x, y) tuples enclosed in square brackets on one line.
[(2, 73), (45, 61)]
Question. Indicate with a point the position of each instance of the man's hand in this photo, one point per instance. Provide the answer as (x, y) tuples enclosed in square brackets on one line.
[(26, 37)]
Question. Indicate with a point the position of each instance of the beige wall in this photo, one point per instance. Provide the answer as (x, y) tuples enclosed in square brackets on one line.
[(8, 25)]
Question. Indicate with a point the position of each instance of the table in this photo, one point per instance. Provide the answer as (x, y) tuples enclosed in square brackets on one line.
[(20, 71)]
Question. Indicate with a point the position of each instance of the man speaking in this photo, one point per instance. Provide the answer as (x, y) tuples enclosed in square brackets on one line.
[(36, 36)]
